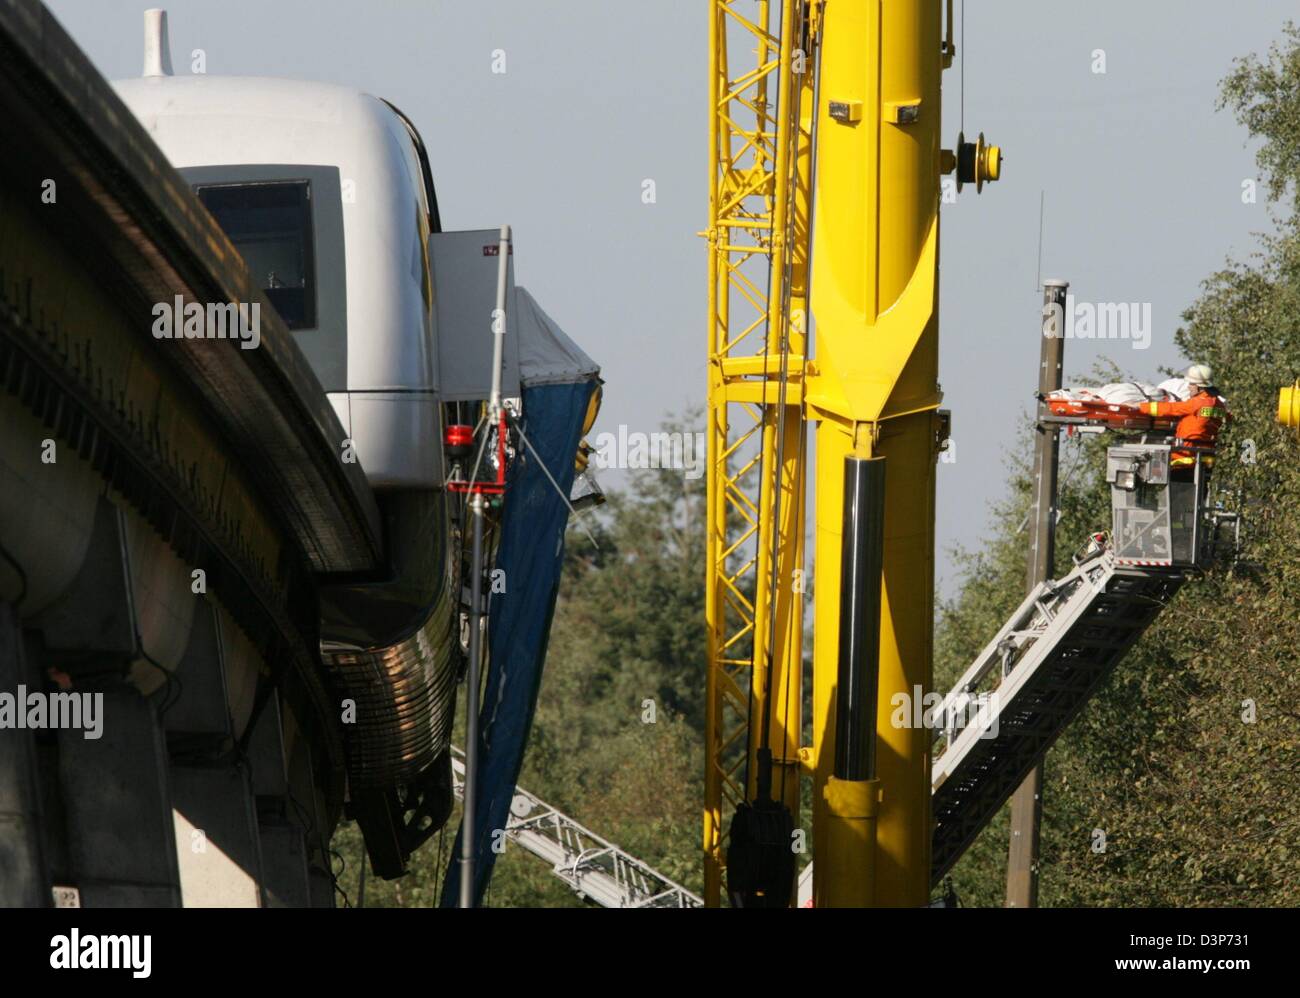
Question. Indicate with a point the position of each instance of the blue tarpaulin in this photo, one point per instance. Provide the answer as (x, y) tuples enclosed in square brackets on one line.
[(558, 381)]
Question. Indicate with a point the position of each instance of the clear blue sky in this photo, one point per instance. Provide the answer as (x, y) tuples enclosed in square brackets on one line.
[(1142, 176)]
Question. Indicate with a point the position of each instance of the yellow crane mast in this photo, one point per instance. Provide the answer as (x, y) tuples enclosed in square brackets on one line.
[(825, 166)]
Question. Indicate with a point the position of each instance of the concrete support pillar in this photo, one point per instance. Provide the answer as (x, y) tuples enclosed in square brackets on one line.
[(24, 874), (217, 843), (285, 816), (290, 820), (121, 847), (284, 860), (109, 814), (212, 795), (266, 752), (321, 885), (199, 720)]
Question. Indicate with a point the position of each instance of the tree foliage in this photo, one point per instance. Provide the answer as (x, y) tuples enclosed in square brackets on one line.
[(1187, 761)]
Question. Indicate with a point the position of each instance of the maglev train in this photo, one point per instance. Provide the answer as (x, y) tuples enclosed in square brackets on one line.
[(327, 194)]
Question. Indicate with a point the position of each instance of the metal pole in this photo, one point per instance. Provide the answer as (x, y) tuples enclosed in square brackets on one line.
[(468, 842), (1027, 802), (499, 323), (468, 838)]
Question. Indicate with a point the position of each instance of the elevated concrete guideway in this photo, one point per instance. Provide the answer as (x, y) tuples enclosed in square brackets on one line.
[(168, 511), (134, 219)]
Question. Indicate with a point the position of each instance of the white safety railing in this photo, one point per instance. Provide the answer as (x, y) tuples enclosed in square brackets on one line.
[(592, 867)]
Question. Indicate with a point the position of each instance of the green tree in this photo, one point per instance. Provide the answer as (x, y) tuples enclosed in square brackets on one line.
[(1187, 759)]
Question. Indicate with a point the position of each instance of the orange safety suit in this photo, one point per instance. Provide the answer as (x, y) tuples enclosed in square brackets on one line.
[(1202, 415)]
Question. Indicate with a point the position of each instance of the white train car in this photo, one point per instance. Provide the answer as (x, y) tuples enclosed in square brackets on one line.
[(327, 195)]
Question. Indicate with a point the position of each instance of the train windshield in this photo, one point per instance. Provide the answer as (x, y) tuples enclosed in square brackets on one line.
[(270, 225)]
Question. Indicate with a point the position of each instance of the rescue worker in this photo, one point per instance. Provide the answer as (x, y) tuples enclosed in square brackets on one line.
[(1201, 417)]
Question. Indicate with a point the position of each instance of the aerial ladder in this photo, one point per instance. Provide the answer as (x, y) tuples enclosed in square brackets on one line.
[(1027, 685), (592, 867), (1059, 646), (825, 165), (1067, 636)]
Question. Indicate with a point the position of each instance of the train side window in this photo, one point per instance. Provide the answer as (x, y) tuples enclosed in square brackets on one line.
[(270, 224)]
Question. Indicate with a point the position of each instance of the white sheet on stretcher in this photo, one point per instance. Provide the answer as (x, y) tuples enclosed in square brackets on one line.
[(1179, 389), (1120, 393)]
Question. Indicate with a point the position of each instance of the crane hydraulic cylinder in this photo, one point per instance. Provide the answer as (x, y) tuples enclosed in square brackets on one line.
[(852, 791)]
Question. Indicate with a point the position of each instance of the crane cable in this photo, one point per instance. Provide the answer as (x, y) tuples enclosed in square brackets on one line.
[(793, 100), (760, 116), (815, 52)]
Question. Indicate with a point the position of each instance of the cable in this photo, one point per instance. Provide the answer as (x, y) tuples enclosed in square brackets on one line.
[(464, 516), (438, 870), (778, 471), (759, 121), (963, 67), (335, 854), (171, 681), (808, 333), (514, 420), (791, 666), (478, 459), (809, 326), (1042, 204), (791, 113), (22, 575), (306, 819)]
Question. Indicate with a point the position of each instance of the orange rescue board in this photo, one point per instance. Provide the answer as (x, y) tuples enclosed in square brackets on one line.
[(1125, 417)]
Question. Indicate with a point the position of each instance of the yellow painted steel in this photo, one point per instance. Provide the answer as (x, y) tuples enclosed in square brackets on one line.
[(875, 391), (869, 153), (1288, 406), (759, 156), (848, 852)]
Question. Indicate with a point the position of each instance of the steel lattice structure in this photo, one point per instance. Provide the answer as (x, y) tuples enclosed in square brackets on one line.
[(591, 866), (760, 146)]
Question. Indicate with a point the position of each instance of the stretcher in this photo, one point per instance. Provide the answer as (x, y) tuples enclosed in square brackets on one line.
[(1112, 415)]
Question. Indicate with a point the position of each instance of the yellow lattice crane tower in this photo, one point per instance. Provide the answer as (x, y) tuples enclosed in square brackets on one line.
[(825, 164), (758, 238)]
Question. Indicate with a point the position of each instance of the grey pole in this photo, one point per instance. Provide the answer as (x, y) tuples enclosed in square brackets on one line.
[(468, 841), (1027, 801), (499, 319)]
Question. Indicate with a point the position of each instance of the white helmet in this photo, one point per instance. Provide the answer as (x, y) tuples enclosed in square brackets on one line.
[(1200, 375)]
